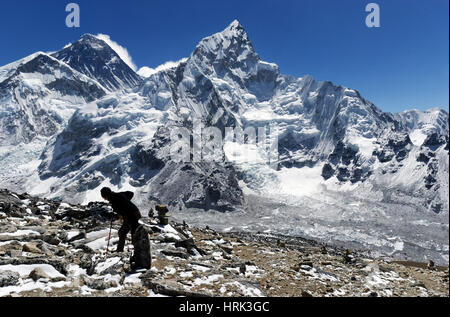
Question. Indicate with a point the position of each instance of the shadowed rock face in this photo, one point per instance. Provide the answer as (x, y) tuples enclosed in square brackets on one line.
[(94, 58)]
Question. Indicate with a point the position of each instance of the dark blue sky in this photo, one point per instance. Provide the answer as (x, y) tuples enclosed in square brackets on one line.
[(401, 65)]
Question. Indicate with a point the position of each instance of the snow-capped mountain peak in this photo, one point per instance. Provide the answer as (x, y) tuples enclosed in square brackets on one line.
[(96, 59), (343, 163), (230, 48)]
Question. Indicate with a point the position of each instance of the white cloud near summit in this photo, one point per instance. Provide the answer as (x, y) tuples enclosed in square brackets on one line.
[(120, 50), (147, 71)]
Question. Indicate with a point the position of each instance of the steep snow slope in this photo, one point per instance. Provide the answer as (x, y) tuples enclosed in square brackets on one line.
[(37, 94)]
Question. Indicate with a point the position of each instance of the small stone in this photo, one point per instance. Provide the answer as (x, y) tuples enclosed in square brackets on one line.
[(163, 220), (373, 294), (112, 283), (306, 267), (306, 294), (79, 236), (161, 209), (50, 239), (31, 247), (418, 284), (306, 263), (188, 244), (242, 268), (38, 273), (178, 254), (15, 253)]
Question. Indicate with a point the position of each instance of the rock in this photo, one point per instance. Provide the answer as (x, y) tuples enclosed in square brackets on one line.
[(84, 248), (168, 238), (13, 245), (347, 258), (31, 247), (305, 267), (188, 244), (79, 236), (227, 248), (37, 274), (174, 253), (9, 278), (306, 294), (163, 220), (431, 265), (242, 268), (418, 284), (161, 209), (373, 294), (99, 284), (15, 253), (162, 289), (306, 263), (51, 239), (87, 264), (116, 269)]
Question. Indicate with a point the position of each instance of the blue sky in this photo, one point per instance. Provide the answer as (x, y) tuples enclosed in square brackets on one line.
[(403, 64)]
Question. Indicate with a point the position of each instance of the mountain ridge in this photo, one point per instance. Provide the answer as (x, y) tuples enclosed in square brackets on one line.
[(332, 143)]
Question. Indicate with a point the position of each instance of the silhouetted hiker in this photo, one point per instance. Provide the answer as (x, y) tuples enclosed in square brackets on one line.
[(129, 213)]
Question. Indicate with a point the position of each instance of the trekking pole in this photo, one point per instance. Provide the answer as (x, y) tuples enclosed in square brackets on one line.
[(109, 237)]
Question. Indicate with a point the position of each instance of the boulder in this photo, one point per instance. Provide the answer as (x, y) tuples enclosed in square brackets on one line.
[(37, 274), (51, 239), (9, 278), (13, 245), (31, 247), (188, 244)]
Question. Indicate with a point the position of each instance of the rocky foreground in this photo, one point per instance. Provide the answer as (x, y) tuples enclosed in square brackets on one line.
[(50, 248)]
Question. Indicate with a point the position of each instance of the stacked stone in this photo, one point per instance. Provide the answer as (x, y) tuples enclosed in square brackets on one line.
[(163, 217)]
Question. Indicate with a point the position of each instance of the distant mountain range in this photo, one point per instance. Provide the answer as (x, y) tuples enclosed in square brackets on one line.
[(81, 118)]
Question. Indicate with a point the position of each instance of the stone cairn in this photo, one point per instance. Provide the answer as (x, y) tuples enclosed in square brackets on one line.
[(163, 217)]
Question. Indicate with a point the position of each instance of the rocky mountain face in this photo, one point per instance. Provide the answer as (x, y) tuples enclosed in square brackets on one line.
[(50, 248), (36, 96), (344, 170), (94, 58)]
